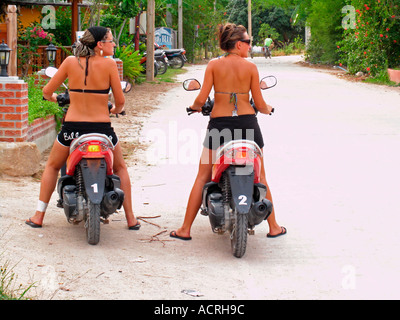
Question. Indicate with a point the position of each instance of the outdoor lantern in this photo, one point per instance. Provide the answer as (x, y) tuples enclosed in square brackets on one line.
[(51, 51), (4, 59), (74, 48)]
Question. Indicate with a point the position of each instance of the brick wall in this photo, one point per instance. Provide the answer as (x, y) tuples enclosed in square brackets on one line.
[(14, 126), (13, 109), (120, 66)]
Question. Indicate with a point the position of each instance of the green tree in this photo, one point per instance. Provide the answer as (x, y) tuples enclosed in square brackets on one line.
[(325, 20)]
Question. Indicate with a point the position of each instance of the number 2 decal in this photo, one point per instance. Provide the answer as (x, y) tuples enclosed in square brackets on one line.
[(243, 200)]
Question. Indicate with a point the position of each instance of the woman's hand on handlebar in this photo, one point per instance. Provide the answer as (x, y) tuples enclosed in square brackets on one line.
[(195, 109), (113, 109), (268, 110)]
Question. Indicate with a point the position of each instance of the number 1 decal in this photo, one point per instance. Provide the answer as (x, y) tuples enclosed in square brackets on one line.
[(95, 189)]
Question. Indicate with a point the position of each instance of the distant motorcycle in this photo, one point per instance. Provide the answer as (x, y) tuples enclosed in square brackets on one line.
[(176, 57), (235, 200)]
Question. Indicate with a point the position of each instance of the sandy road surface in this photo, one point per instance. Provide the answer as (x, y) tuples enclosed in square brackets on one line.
[(332, 155)]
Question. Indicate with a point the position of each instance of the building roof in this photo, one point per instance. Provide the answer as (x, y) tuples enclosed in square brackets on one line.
[(81, 3)]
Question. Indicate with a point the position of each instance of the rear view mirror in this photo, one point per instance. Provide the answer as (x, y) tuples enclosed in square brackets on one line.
[(191, 85), (126, 86), (50, 71), (268, 82)]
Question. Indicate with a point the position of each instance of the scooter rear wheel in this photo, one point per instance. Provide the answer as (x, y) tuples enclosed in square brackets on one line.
[(92, 223), (177, 62), (239, 235)]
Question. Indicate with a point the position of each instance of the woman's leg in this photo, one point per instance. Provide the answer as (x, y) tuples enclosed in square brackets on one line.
[(121, 170), (57, 158), (195, 198), (274, 227)]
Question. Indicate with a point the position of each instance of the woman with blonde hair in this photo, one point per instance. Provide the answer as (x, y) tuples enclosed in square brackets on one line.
[(90, 78), (233, 77)]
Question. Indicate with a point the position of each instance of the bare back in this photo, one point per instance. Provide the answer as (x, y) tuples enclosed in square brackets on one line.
[(230, 75), (90, 107)]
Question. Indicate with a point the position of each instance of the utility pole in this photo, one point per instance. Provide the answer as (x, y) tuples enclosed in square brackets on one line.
[(180, 25), (249, 30), (150, 26)]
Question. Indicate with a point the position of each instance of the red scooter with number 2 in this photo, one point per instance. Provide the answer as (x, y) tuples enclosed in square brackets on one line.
[(235, 200)]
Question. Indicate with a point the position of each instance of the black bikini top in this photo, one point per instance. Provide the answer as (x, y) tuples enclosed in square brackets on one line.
[(104, 91)]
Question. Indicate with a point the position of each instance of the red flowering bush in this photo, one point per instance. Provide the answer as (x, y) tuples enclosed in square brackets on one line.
[(29, 41), (373, 43)]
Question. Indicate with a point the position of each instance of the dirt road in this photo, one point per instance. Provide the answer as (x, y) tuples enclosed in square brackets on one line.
[(332, 155)]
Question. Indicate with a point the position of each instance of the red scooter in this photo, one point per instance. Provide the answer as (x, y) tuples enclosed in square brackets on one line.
[(235, 200), (88, 189)]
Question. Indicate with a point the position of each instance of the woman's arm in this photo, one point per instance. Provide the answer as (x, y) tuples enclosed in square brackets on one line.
[(56, 81), (119, 98), (258, 98), (205, 89)]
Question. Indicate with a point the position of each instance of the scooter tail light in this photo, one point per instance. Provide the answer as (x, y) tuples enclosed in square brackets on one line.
[(93, 148)]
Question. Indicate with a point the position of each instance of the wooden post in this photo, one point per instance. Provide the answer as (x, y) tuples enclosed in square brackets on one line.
[(150, 40), (180, 25), (250, 31), (12, 38), (74, 20)]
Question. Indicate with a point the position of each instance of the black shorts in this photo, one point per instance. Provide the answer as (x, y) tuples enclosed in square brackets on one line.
[(224, 129), (72, 130)]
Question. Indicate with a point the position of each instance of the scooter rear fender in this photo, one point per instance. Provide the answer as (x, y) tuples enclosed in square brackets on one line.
[(242, 188), (94, 177)]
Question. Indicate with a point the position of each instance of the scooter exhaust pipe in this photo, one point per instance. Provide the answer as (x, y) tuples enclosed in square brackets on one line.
[(260, 211), (113, 200)]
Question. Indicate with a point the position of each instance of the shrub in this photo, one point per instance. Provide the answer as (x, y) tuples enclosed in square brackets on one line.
[(131, 61), (31, 37), (373, 43), (37, 107)]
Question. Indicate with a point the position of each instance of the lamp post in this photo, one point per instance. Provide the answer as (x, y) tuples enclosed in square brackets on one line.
[(73, 47), (51, 52), (4, 58)]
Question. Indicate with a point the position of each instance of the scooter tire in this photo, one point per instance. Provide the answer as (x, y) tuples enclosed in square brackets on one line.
[(92, 223), (177, 62), (162, 67), (239, 235)]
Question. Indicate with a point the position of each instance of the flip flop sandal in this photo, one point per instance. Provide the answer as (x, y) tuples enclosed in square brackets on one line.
[(283, 232), (174, 235), (135, 227), (32, 224)]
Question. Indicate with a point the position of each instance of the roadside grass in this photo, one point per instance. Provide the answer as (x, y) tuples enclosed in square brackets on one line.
[(9, 290), (169, 76)]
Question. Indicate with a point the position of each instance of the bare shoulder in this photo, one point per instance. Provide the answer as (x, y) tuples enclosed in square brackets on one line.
[(109, 62), (249, 64)]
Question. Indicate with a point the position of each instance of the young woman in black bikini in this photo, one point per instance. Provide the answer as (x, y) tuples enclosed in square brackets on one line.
[(233, 77), (88, 112)]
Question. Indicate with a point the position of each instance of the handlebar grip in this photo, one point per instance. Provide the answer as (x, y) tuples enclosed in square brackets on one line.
[(190, 111)]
